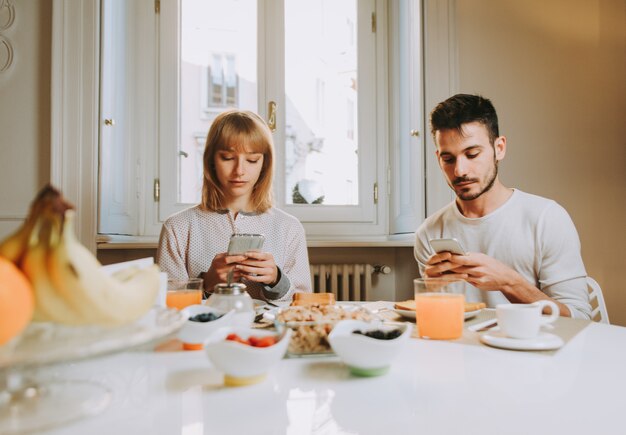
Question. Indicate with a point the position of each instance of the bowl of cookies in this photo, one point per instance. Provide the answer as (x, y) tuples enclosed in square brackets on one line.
[(312, 324)]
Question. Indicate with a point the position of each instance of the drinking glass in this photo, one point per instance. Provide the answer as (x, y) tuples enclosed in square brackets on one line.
[(184, 292), (439, 307)]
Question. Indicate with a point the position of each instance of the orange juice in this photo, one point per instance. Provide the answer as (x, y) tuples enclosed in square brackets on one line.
[(440, 315), (180, 299)]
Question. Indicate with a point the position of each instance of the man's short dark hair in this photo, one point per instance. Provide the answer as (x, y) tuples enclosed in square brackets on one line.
[(464, 108)]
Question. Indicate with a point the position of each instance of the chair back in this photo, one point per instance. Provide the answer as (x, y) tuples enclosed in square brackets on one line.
[(596, 299)]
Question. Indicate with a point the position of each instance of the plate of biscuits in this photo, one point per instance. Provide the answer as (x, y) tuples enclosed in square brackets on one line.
[(407, 309)]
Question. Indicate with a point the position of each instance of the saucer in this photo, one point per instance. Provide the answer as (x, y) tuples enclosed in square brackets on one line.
[(543, 341), (410, 314)]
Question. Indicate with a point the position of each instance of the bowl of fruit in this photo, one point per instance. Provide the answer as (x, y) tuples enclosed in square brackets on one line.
[(245, 355), (201, 322), (367, 348)]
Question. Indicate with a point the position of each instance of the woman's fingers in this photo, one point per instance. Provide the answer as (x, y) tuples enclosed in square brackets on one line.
[(230, 259), (264, 272), (258, 255), (254, 266), (223, 275)]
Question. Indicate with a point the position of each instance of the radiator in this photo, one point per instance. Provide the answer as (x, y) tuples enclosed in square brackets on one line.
[(348, 282)]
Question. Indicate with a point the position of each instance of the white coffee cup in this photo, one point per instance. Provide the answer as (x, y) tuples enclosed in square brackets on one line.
[(524, 320)]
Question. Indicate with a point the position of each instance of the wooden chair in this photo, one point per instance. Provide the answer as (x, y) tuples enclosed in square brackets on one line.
[(596, 299)]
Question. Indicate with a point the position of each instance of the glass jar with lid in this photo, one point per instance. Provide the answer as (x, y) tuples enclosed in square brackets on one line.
[(233, 296)]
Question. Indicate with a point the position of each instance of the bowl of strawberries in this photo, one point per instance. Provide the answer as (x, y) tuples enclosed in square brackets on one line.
[(245, 355)]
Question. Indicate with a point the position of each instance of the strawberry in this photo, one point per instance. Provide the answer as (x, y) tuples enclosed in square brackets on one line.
[(265, 341)]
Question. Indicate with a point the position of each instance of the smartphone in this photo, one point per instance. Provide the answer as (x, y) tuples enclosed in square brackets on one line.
[(240, 243), (447, 245)]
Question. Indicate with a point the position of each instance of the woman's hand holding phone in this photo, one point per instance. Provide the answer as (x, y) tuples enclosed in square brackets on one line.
[(221, 265), (258, 267), (245, 260)]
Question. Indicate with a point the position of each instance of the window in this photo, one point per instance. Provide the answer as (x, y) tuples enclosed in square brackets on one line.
[(221, 82), (341, 112)]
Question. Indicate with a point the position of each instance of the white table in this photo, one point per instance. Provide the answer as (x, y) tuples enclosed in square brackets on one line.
[(434, 387)]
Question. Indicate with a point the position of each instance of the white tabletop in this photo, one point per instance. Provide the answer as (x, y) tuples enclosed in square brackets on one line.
[(434, 387)]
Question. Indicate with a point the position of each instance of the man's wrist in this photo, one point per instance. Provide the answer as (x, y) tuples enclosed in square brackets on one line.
[(515, 286)]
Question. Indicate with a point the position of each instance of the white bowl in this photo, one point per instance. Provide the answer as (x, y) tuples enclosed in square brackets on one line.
[(194, 334), (367, 356), (243, 364)]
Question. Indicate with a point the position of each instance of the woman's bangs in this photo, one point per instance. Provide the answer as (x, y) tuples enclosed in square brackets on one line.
[(243, 142)]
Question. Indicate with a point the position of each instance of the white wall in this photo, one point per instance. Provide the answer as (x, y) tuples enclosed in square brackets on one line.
[(25, 111), (556, 72)]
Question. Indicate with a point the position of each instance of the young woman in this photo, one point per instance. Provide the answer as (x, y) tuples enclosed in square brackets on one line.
[(237, 198)]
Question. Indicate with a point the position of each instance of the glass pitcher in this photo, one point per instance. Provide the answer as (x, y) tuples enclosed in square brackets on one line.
[(233, 296)]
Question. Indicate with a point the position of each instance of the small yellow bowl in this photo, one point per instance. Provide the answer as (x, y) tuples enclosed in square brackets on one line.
[(243, 364)]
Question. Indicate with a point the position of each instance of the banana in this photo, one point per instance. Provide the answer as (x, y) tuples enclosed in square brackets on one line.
[(68, 281), (64, 280), (103, 299), (49, 307), (14, 247)]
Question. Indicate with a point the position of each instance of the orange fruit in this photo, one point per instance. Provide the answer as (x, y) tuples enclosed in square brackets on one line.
[(17, 301)]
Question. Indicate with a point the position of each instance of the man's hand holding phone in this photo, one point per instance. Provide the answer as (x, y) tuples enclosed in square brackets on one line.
[(451, 245), (484, 272), (440, 263)]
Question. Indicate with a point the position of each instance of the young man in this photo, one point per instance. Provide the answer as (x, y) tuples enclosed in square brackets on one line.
[(521, 247)]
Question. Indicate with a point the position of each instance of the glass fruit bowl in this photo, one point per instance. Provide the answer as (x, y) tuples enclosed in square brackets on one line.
[(26, 406)]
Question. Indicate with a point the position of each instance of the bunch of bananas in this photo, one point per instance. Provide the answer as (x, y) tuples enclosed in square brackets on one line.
[(69, 284)]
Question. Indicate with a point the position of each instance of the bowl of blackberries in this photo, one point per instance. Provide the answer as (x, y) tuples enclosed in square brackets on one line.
[(201, 322), (368, 348)]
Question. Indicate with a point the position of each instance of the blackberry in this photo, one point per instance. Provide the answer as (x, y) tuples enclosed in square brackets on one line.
[(394, 333), (380, 335), (205, 317)]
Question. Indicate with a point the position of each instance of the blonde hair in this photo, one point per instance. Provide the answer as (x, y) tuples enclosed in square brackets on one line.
[(242, 131)]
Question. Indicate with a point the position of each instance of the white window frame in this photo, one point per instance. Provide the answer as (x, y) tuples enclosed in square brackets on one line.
[(116, 108), (406, 118), (134, 135), (440, 82)]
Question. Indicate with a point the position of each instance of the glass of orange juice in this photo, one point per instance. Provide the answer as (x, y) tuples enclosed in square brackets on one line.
[(439, 307), (183, 292)]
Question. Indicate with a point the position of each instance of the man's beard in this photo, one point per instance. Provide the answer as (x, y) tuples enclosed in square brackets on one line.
[(471, 196)]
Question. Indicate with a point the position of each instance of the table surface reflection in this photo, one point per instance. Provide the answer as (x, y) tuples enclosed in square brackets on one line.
[(433, 387)]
